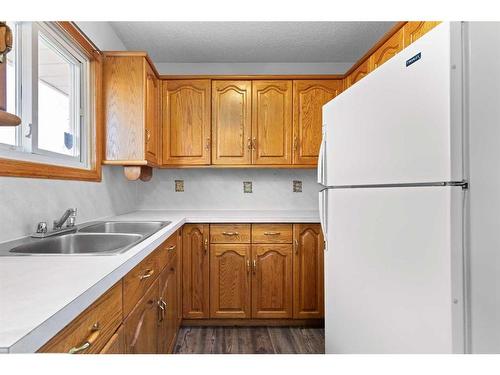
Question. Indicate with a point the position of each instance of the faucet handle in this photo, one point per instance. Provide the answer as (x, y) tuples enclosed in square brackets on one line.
[(41, 227), (71, 221)]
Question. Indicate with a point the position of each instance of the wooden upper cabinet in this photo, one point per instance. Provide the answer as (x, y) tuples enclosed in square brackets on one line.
[(308, 288), (195, 271), (130, 109), (141, 326), (272, 281), (272, 122), (152, 136), (231, 122), (230, 281), (309, 96), (359, 73), (387, 50), (186, 122), (415, 29)]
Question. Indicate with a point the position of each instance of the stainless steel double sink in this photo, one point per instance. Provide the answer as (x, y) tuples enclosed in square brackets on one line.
[(96, 238)]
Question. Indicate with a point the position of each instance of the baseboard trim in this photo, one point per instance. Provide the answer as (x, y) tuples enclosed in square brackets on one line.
[(320, 323)]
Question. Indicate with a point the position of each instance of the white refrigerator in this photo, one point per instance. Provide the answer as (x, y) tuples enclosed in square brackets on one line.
[(393, 204)]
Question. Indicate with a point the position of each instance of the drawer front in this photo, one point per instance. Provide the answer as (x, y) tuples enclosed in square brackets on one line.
[(168, 250), (92, 329), (272, 233), (230, 233), (137, 281)]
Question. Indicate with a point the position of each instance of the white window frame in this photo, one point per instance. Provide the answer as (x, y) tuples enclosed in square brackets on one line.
[(26, 60)]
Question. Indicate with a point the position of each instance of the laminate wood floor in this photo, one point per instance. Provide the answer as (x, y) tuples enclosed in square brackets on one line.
[(250, 340)]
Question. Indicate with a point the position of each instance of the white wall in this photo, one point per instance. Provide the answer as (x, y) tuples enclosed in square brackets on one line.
[(485, 186), (223, 189), (251, 68), (26, 201)]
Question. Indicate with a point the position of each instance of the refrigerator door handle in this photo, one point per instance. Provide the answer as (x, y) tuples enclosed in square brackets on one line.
[(322, 214), (321, 169)]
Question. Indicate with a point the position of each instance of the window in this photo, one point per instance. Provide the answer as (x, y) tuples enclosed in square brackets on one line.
[(48, 86)]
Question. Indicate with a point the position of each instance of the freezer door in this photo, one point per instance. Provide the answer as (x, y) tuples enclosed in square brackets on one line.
[(393, 271), (401, 123)]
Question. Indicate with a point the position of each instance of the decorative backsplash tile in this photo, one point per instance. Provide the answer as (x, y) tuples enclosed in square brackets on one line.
[(297, 186), (247, 186), (179, 185)]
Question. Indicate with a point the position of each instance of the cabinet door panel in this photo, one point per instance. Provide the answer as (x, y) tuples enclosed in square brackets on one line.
[(272, 122), (141, 333), (116, 344), (167, 328), (416, 29), (308, 262), (231, 125), (309, 96), (230, 281), (186, 122), (152, 115), (359, 73), (387, 50), (195, 271), (272, 281)]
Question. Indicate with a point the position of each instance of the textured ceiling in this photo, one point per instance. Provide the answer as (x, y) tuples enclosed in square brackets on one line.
[(241, 42)]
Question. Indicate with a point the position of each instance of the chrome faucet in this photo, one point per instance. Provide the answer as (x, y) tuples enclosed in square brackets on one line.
[(69, 215)]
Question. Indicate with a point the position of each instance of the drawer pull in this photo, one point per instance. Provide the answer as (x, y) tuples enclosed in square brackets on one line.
[(147, 275), (161, 310), (230, 233), (272, 233), (171, 248), (88, 343)]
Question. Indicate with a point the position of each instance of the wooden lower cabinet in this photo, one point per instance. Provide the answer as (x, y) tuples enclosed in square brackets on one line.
[(230, 281), (92, 329), (272, 281), (116, 344), (195, 271), (167, 303), (141, 326), (308, 260)]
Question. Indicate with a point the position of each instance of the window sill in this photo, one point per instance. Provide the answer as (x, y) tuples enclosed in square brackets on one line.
[(19, 168)]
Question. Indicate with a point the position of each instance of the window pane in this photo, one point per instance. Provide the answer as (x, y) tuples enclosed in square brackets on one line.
[(8, 134), (57, 93)]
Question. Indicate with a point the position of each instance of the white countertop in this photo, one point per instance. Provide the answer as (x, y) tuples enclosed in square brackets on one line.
[(40, 295)]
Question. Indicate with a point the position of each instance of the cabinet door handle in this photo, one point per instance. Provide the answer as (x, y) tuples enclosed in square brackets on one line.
[(272, 233), (254, 266), (147, 274), (295, 143), (249, 143), (206, 245), (161, 310), (207, 145), (296, 242), (88, 342), (171, 248), (230, 233), (248, 266), (148, 135), (254, 143)]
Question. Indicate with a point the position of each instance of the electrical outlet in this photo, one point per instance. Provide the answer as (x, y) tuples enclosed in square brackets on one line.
[(179, 186), (297, 186), (247, 186)]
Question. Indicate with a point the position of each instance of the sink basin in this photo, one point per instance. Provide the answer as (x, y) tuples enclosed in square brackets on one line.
[(139, 227), (80, 243)]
